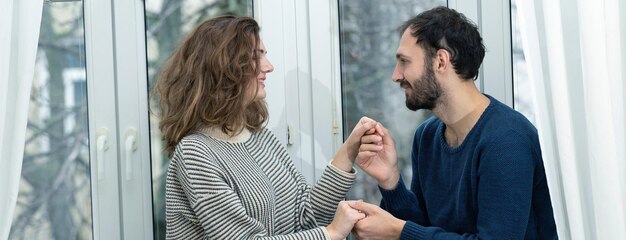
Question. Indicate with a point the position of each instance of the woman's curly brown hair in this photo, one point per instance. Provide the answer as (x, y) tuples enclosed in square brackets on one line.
[(206, 80)]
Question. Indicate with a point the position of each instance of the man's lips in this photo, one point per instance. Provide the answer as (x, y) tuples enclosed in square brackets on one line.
[(405, 85)]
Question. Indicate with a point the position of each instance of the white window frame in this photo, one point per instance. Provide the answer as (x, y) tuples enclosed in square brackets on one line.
[(102, 123), (133, 119), (118, 108)]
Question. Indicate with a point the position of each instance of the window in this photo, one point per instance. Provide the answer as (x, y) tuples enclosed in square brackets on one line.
[(522, 85), (369, 38), (54, 200)]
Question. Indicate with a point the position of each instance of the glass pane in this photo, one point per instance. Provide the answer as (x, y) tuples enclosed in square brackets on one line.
[(54, 199), (167, 21), (523, 88), (369, 38)]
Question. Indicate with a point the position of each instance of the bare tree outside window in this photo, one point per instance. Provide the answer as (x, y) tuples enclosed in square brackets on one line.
[(54, 200)]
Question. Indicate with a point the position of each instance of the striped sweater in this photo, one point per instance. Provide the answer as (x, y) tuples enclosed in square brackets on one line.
[(246, 188)]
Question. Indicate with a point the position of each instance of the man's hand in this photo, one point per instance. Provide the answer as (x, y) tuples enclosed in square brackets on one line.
[(377, 224), (378, 158)]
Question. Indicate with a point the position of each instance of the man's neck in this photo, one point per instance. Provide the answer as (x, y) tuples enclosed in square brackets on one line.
[(460, 109)]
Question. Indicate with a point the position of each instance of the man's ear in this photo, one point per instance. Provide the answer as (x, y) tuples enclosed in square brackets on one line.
[(442, 60)]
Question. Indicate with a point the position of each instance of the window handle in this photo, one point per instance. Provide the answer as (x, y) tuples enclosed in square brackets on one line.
[(101, 147), (291, 135), (130, 145)]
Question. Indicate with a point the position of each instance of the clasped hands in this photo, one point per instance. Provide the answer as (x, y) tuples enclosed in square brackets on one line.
[(372, 149)]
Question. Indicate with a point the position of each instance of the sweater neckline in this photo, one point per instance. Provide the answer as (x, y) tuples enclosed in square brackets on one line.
[(470, 135), (218, 134)]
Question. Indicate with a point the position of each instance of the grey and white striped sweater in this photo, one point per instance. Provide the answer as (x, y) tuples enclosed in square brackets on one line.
[(246, 189)]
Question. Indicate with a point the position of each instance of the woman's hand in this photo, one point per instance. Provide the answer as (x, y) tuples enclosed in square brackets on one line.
[(344, 220), (350, 148)]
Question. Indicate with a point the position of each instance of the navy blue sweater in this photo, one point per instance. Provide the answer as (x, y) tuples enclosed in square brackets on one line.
[(492, 186)]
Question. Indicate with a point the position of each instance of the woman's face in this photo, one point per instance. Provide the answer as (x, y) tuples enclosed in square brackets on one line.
[(266, 67)]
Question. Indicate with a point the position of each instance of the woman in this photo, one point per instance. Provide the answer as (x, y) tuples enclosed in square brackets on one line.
[(229, 177)]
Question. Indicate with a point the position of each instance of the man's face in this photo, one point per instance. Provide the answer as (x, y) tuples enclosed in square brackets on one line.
[(414, 72)]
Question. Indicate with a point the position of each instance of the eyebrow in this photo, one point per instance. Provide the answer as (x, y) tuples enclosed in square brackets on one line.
[(400, 55)]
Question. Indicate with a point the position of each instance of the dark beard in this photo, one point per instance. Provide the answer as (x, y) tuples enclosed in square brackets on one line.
[(426, 91)]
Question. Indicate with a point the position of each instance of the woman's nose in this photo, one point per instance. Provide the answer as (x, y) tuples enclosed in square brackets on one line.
[(267, 66)]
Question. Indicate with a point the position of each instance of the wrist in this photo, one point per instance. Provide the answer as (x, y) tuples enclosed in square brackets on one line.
[(332, 233), (342, 160), (398, 226), (390, 182)]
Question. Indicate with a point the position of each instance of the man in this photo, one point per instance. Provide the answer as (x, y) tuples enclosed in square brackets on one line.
[(477, 166)]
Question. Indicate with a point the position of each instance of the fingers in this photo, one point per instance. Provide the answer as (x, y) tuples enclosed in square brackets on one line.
[(368, 209), (363, 158), (347, 205), (371, 143), (370, 125), (387, 140), (356, 230), (370, 148), (367, 122), (364, 127), (350, 213), (372, 139), (364, 119), (379, 128)]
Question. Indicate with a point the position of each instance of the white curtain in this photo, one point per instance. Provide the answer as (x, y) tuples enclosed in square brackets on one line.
[(575, 52), (19, 24)]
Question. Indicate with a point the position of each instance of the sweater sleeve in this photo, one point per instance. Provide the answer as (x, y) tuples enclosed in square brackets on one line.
[(329, 190), (217, 207), (505, 179), (318, 203), (402, 203)]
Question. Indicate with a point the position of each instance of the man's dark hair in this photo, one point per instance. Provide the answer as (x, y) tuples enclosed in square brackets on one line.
[(444, 28)]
